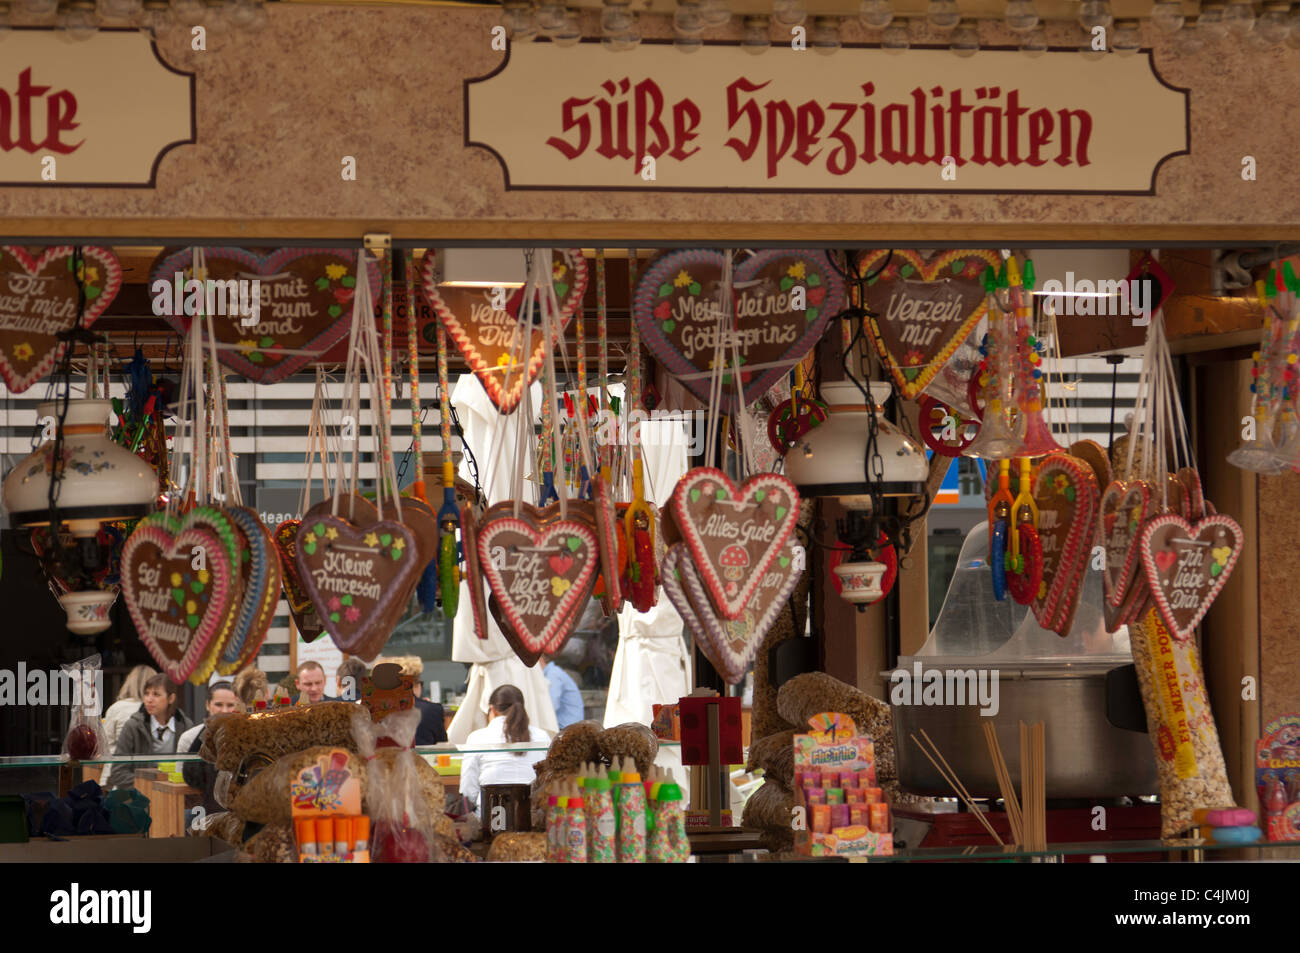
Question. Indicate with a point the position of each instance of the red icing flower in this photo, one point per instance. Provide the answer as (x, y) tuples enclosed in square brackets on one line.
[(334, 604)]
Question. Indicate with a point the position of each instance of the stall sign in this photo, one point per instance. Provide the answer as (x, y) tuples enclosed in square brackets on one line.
[(860, 121), (99, 112)]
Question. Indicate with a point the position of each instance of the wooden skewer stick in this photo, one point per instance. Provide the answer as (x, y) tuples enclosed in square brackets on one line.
[(957, 787), (1004, 784)]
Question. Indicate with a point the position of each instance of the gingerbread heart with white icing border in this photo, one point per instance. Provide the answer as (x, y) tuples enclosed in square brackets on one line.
[(181, 612), (355, 575), (262, 581), (1065, 490), (38, 301), (921, 311), (1187, 565), (730, 644), (734, 533), (1125, 507), (541, 573), (485, 335)]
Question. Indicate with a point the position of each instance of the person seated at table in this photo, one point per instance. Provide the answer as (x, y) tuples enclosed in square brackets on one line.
[(507, 724), (199, 774), (154, 729)]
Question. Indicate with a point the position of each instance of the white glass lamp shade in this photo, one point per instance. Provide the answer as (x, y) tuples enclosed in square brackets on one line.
[(102, 480), (830, 459)]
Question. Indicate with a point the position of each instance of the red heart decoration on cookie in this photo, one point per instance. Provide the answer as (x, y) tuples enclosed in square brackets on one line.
[(305, 304), (734, 533), (485, 335), (1186, 565), (540, 604), (784, 299), (181, 613), (921, 311), (38, 301), (359, 577), (730, 644), (1065, 490)]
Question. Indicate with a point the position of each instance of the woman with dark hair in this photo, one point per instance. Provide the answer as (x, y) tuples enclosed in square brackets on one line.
[(507, 725), (154, 729)]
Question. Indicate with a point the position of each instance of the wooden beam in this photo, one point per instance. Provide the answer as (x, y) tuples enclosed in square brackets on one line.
[(503, 232)]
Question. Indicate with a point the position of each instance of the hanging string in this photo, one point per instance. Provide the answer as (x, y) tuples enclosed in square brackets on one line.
[(602, 348), (413, 362), (633, 402)]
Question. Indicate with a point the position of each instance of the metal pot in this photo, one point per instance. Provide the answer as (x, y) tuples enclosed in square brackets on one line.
[(1088, 756)]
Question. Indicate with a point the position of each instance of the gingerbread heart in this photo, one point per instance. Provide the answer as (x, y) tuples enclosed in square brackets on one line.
[(485, 335), (355, 575), (1067, 497), (1093, 454), (1125, 508), (734, 533), (730, 644), (541, 572), (305, 303), (473, 576), (38, 301), (1193, 492), (1187, 564), (262, 581), (922, 310), (305, 619), (181, 612), (528, 655), (783, 301)]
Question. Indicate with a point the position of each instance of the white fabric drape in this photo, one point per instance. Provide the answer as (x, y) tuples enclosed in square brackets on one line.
[(651, 666), (492, 661)]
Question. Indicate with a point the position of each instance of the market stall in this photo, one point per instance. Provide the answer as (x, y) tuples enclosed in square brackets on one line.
[(642, 353)]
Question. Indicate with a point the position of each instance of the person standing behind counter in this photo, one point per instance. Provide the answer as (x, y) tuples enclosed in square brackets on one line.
[(565, 695), (154, 729), (507, 724)]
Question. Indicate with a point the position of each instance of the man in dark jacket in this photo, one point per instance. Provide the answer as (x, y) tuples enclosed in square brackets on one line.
[(154, 729)]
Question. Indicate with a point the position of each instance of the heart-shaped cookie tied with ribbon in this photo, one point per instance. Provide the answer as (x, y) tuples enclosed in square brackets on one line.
[(783, 301), (1125, 508), (262, 581), (304, 614), (1068, 502), (542, 570), (304, 303), (922, 310), (180, 582), (38, 302), (359, 577), (486, 335), (473, 575), (1186, 566), (730, 644), (734, 533)]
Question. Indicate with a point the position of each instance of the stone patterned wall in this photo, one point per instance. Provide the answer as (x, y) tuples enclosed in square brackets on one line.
[(277, 111)]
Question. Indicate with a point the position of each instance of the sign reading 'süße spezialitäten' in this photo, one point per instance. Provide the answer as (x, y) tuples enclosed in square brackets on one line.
[(861, 120)]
